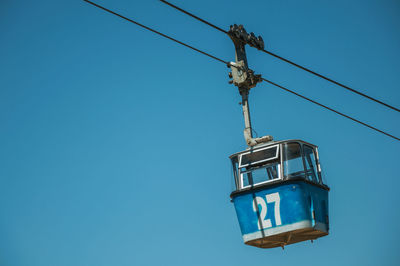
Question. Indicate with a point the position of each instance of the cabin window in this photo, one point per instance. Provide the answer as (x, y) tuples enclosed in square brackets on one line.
[(293, 166), (258, 156), (251, 176), (235, 185), (311, 166), (319, 170)]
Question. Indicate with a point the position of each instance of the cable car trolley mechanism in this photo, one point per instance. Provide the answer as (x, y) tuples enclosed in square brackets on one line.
[(280, 196)]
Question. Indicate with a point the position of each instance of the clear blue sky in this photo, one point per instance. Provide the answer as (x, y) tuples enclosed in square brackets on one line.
[(114, 142)]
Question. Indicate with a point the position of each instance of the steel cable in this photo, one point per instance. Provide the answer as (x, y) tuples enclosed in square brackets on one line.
[(157, 32), (330, 109)]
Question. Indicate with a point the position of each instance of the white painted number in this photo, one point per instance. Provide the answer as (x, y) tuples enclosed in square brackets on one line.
[(266, 223), (274, 197), (263, 213)]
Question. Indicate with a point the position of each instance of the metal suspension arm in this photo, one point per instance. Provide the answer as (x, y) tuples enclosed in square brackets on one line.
[(244, 78)]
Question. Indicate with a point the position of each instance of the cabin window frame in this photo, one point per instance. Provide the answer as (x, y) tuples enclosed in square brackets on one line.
[(300, 144), (265, 148), (235, 166), (279, 170), (317, 175), (319, 169), (277, 157)]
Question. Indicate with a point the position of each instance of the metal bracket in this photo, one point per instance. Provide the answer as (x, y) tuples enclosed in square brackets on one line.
[(240, 34), (243, 77)]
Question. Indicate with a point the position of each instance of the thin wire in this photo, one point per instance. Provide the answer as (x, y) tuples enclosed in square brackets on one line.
[(227, 63), (194, 16), (157, 32), (331, 80), (330, 109), (288, 61)]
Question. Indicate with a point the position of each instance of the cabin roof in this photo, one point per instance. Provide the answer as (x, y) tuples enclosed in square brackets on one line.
[(271, 143)]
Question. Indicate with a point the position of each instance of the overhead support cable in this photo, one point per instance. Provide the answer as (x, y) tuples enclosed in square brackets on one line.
[(330, 109), (289, 61), (229, 64), (194, 16), (157, 32)]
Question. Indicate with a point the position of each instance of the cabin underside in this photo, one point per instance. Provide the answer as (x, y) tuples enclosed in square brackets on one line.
[(287, 238)]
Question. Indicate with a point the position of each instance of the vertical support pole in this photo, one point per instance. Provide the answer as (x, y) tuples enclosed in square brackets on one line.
[(240, 52), (246, 111), (248, 131)]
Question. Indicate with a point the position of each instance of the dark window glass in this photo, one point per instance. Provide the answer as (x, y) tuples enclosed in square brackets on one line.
[(259, 156), (247, 178), (235, 184), (293, 166), (256, 175), (321, 178), (311, 166)]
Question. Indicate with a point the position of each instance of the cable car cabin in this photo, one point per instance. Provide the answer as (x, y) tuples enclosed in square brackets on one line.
[(280, 196)]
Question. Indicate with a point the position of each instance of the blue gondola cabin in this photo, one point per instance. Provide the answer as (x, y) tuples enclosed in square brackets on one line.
[(280, 196)]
